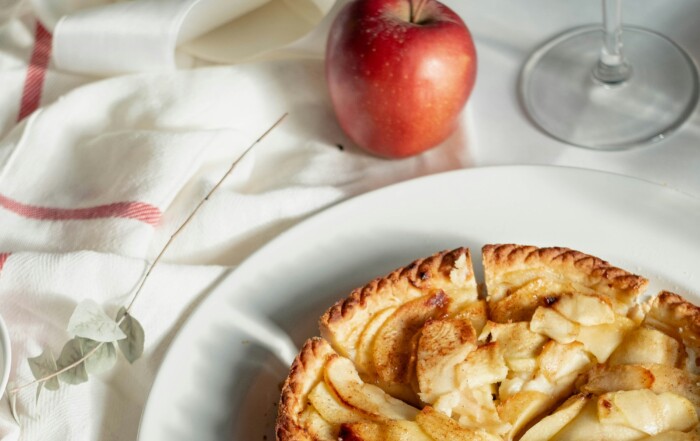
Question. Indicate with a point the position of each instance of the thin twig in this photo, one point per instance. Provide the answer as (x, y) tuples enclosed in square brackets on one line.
[(156, 260), (60, 371), (196, 209)]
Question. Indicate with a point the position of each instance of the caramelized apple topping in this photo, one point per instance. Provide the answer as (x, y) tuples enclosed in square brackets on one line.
[(558, 350)]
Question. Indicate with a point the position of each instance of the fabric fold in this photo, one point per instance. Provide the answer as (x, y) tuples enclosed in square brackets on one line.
[(138, 36)]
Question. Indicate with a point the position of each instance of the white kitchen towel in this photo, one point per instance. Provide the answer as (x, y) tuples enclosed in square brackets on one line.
[(39, 291), (93, 184), (105, 164)]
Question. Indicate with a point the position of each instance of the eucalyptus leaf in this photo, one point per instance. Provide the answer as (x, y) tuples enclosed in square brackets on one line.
[(89, 321), (39, 387), (132, 345), (102, 359), (71, 353), (43, 366)]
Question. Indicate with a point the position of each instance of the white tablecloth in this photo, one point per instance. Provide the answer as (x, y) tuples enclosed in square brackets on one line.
[(507, 31), (59, 244)]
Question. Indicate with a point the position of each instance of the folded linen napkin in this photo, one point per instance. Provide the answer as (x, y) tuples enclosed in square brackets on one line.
[(104, 37)]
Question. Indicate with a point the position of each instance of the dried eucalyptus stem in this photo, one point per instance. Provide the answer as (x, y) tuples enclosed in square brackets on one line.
[(196, 209), (155, 261), (58, 372)]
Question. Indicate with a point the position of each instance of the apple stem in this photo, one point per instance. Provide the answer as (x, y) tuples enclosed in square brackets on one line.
[(416, 8)]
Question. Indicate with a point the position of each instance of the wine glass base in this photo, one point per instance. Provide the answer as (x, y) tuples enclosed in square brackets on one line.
[(560, 94)]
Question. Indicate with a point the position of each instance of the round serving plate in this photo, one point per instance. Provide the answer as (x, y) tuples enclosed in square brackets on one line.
[(221, 377)]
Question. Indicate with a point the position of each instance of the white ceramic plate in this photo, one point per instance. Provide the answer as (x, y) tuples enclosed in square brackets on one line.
[(5, 356), (220, 379)]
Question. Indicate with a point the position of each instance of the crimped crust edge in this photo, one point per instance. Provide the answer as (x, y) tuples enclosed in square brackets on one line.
[(304, 374)]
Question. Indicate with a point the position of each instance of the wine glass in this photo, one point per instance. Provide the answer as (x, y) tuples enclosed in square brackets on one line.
[(585, 87)]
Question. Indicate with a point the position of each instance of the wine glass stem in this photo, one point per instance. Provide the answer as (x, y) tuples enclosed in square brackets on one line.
[(612, 69)]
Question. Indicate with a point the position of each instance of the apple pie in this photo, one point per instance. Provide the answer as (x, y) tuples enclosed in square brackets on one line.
[(558, 346)]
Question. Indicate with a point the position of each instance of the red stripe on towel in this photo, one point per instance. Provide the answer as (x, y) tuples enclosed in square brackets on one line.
[(3, 259), (36, 72), (140, 211)]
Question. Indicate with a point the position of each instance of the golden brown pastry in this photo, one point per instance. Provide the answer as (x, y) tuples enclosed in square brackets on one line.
[(558, 348)]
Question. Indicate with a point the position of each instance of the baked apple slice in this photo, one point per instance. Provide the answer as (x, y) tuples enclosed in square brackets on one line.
[(521, 278), (648, 346), (678, 318), (550, 323), (646, 411), (586, 426), (675, 435), (521, 409), (443, 428), (393, 344), (602, 379), (362, 431), (546, 428), (586, 310), (442, 345), (602, 340), (385, 431), (477, 313), (520, 346), (364, 358), (363, 399), (326, 402), (448, 271), (324, 390), (483, 366)]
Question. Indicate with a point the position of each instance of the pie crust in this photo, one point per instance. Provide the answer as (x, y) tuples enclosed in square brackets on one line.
[(509, 266), (449, 271), (557, 347), (305, 373)]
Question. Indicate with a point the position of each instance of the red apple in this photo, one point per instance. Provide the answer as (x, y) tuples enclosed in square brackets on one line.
[(399, 73)]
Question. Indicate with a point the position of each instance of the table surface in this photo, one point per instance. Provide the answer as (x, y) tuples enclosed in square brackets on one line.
[(497, 133), (506, 32)]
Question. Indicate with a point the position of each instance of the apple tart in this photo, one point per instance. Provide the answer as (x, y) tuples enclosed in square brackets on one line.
[(557, 347)]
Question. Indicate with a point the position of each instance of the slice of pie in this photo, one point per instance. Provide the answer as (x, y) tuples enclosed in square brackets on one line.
[(376, 326), (558, 348), (520, 278)]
